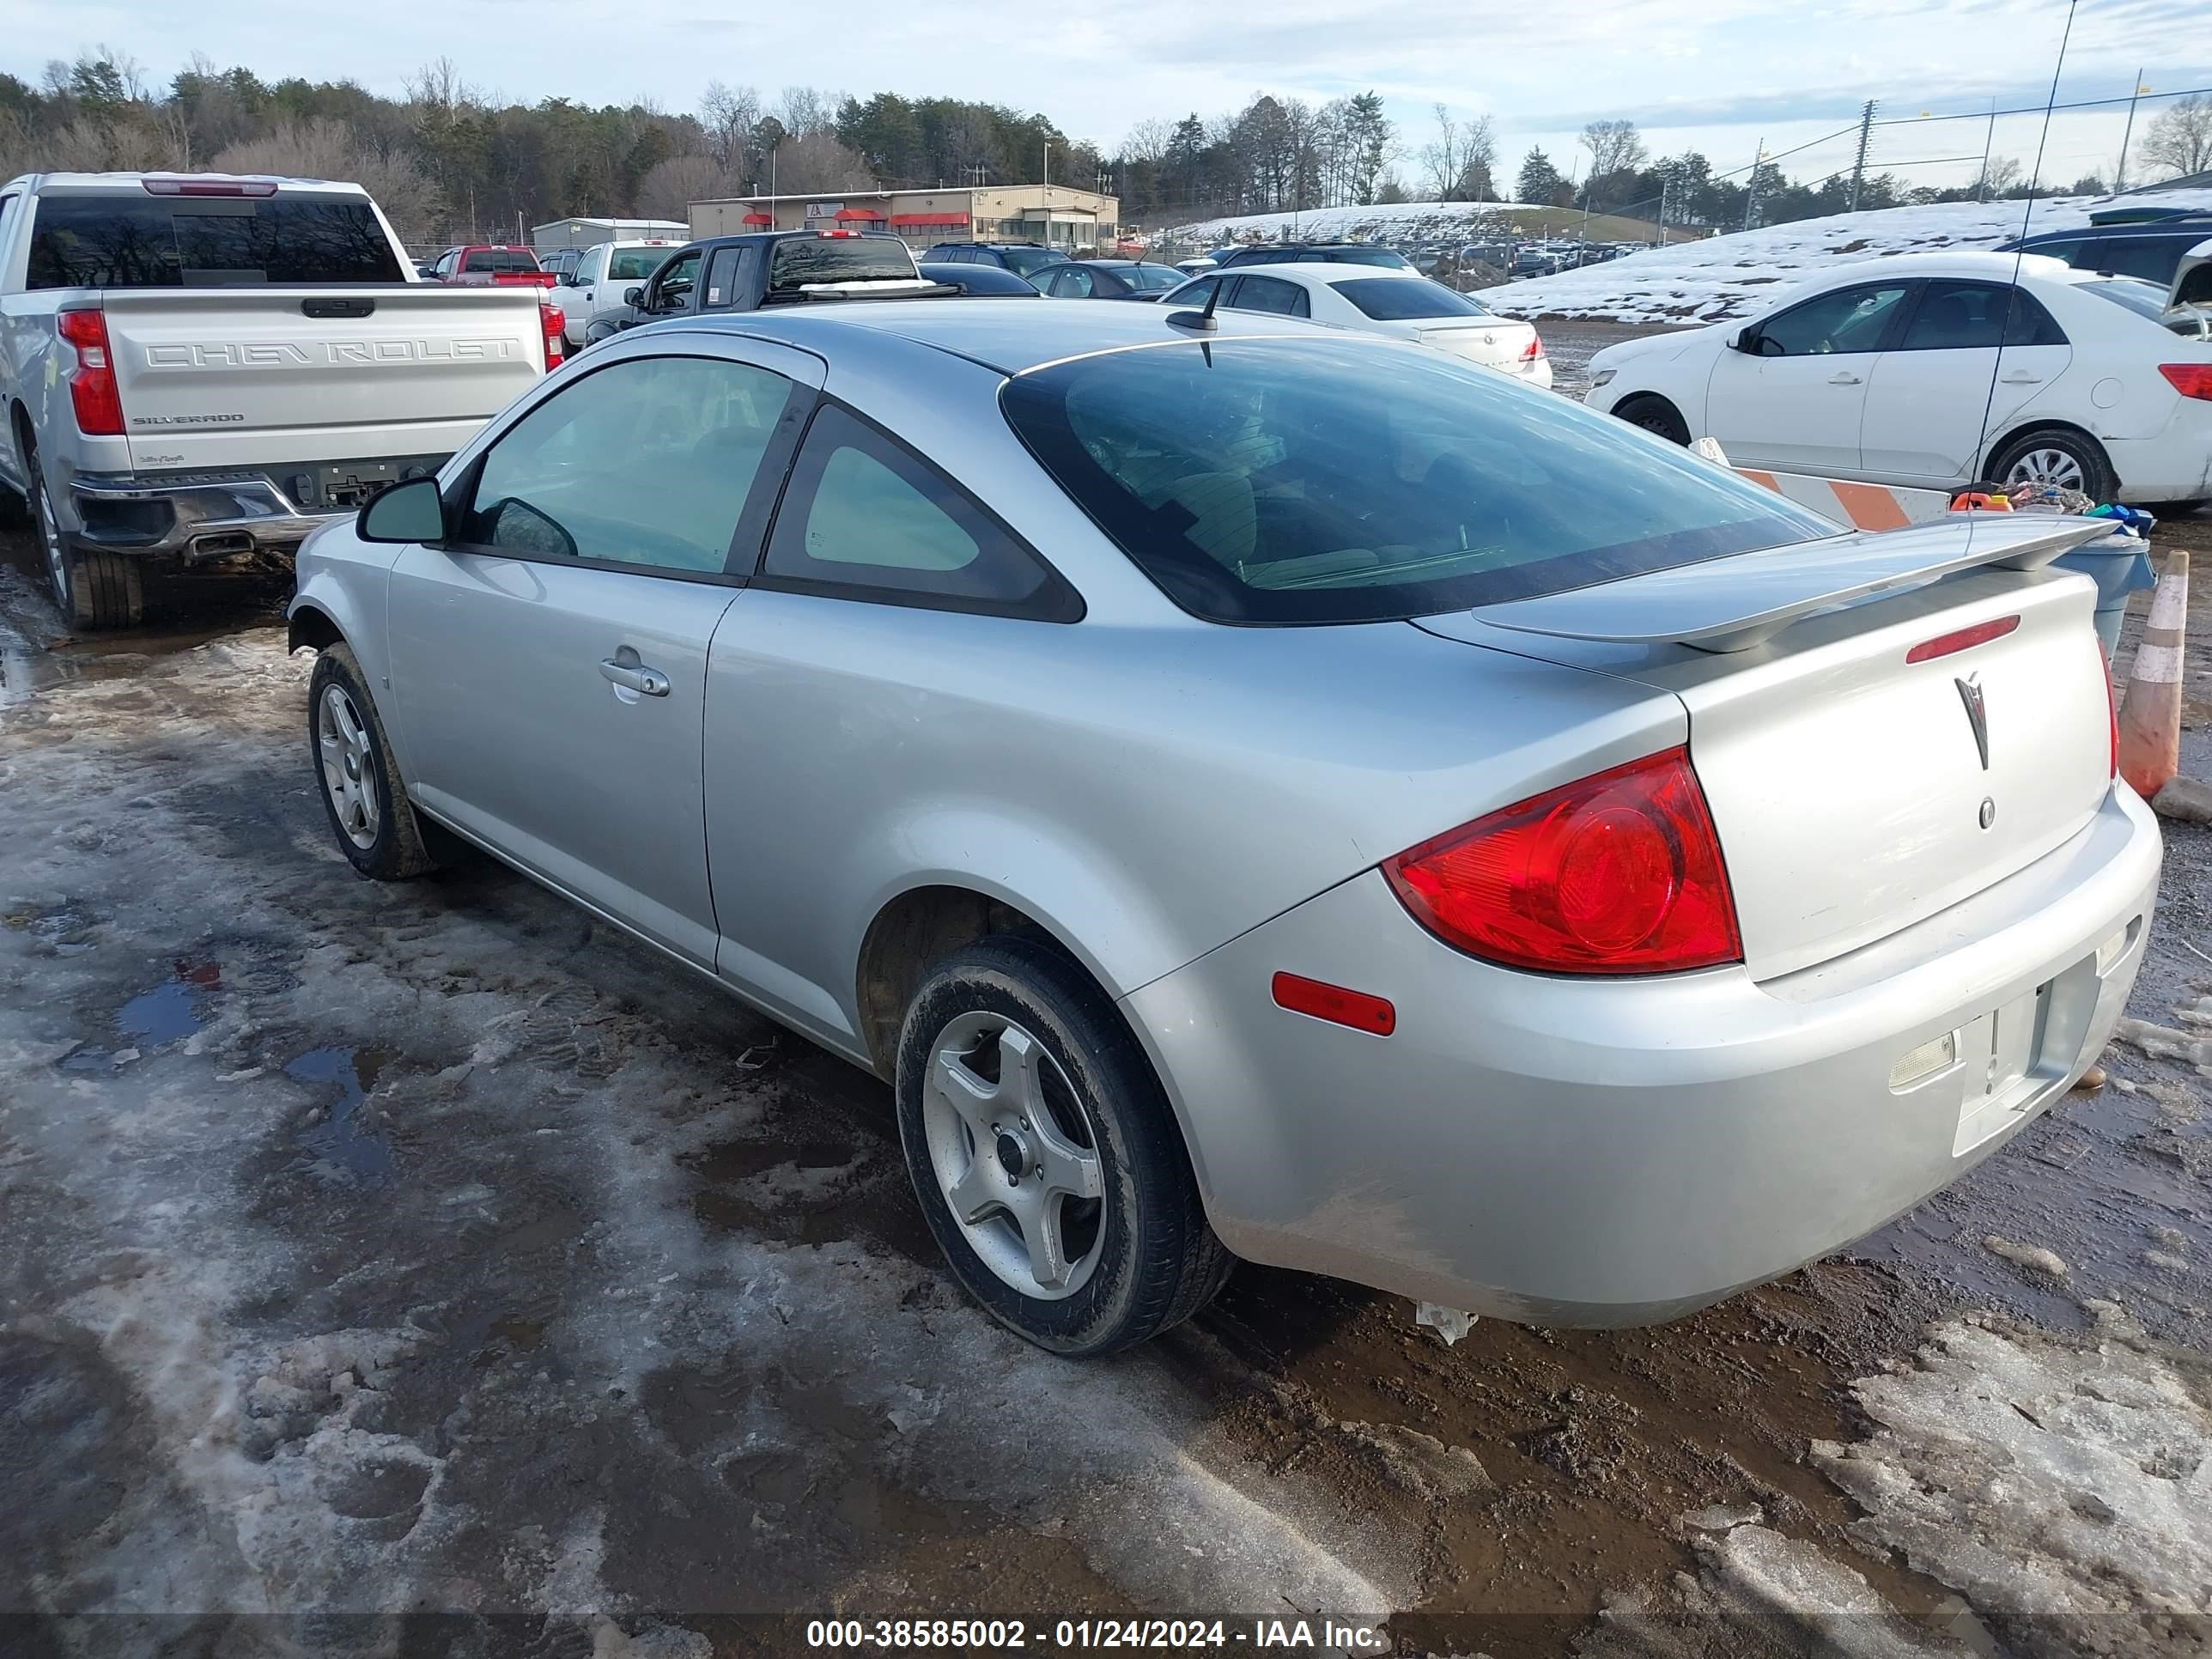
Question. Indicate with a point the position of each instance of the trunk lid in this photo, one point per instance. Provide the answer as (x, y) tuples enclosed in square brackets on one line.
[(1493, 341), (1849, 783), (223, 377)]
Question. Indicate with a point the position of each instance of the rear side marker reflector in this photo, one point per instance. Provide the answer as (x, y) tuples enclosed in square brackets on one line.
[(1965, 639), (1334, 1003), (1918, 1064)]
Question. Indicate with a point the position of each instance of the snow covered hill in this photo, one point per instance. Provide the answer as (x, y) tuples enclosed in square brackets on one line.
[(1415, 221), (1727, 277)]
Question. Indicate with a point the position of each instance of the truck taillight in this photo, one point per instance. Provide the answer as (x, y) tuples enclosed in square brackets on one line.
[(550, 317), (91, 386), (1618, 873)]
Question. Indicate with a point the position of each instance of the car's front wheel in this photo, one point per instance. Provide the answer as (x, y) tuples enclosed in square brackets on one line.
[(361, 790), (1045, 1154), (1655, 414)]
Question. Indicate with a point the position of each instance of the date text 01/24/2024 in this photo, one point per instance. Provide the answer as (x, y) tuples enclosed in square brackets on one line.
[(1319, 1635)]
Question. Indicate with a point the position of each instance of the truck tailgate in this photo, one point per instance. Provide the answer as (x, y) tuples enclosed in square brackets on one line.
[(224, 377)]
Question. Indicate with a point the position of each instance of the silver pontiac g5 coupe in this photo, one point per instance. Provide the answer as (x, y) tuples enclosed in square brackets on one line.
[(1259, 792)]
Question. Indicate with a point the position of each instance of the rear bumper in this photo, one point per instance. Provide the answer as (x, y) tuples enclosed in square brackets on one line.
[(195, 518), (2174, 464), (1583, 1152)]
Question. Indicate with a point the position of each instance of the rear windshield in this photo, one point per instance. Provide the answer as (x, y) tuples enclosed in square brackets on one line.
[(1399, 298), (499, 259), (1026, 261), (1152, 276), (635, 264), (1221, 470), (2145, 299), (216, 241), (1367, 256), (805, 261)]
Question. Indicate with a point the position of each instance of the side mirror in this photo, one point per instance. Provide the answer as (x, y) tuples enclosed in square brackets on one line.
[(634, 295), (1746, 340), (410, 510)]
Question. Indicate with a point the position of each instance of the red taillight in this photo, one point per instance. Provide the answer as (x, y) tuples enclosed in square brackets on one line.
[(1334, 1003), (1963, 640), (2190, 380), (1619, 873), (554, 321), (1534, 351), (92, 382), (838, 233)]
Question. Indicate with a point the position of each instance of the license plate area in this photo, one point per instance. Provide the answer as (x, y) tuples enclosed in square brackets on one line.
[(2007, 1066)]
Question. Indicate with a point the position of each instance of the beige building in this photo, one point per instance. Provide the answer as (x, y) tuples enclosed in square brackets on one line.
[(1053, 215)]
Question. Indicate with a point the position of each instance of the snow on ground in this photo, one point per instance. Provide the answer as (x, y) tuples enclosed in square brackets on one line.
[(1731, 275), (1441, 222)]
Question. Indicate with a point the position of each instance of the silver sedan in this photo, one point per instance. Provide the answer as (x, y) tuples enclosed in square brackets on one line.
[(1259, 792)]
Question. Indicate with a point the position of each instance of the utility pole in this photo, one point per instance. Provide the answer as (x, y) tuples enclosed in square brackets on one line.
[(1858, 167), (2120, 172), (1662, 213), (1047, 162), (1989, 139), (1750, 195)]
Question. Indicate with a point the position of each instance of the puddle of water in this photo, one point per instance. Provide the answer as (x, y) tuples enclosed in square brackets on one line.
[(25, 672), (166, 1013), (338, 1142)]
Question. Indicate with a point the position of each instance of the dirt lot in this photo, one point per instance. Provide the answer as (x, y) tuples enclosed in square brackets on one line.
[(433, 1251)]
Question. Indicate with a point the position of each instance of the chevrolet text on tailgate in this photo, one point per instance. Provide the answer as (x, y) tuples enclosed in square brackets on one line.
[(201, 367)]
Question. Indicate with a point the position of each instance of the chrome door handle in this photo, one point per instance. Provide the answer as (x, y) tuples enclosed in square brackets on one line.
[(1845, 379), (2021, 377), (632, 676)]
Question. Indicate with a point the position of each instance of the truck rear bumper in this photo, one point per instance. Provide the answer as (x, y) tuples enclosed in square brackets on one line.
[(190, 520)]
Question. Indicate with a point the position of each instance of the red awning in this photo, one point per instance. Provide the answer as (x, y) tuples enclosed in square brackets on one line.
[(929, 218), (859, 212), (760, 218)]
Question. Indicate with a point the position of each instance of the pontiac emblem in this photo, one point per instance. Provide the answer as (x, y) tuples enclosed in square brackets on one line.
[(1969, 693)]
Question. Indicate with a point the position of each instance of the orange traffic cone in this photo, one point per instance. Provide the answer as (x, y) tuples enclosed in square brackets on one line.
[(2150, 716)]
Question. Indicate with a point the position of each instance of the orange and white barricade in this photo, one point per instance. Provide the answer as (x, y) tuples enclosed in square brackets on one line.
[(1855, 506)]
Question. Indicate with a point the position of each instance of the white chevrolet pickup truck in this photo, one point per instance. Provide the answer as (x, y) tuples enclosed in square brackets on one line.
[(196, 368)]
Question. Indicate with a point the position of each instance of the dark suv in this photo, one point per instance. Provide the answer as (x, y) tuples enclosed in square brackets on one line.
[(1023, 258), (2135, 241), (1306, 253)]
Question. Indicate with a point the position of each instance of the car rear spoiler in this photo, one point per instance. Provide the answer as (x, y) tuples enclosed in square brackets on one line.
[(1732, 604)]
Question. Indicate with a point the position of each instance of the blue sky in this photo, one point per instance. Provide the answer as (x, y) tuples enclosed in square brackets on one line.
[(1717, 74)]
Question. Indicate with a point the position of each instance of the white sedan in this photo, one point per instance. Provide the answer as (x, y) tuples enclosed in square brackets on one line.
[(1400, 303), (1936, 370)]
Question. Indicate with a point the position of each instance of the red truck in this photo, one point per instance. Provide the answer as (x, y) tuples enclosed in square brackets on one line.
[(488, 264)]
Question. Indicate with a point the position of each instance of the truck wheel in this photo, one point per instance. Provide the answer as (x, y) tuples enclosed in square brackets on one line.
[(93, 590), (361, 789), (1045, 1155)]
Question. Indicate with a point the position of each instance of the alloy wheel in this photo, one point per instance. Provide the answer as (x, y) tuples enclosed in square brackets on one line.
[(2045, 465), (342, 740), (1014, 1155)]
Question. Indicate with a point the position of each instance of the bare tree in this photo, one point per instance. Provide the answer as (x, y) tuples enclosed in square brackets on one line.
[(810, 163), (2180, 138), (1999, 176), (1612, 145), (669, 187), (331, 149), (438, 85), (806, 110), (1442, 159), (728, 114), (1149, 140)]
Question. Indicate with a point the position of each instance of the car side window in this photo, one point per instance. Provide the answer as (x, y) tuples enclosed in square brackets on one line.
[(1196, 294), (444, 266), (674, 292), (1956, 316), (1271, 293), (591, 267), (864, 518), (648, 462), (1073, 284), (2068, 250), (722, 279), (1850, 319), (2153, 258)]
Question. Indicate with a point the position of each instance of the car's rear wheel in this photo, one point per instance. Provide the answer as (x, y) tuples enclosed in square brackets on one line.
[(93, 589), (361, 789), (1045, 1154), (2059, 456), (1655, 414)]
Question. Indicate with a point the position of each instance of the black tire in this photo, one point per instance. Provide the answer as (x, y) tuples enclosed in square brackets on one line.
[(92, 589), (391, 847), (2098, 480), (1154, 1261), (1655, 414), (2175, 509)]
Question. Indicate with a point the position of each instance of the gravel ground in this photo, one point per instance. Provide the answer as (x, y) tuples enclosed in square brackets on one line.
[(433, 1250)]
